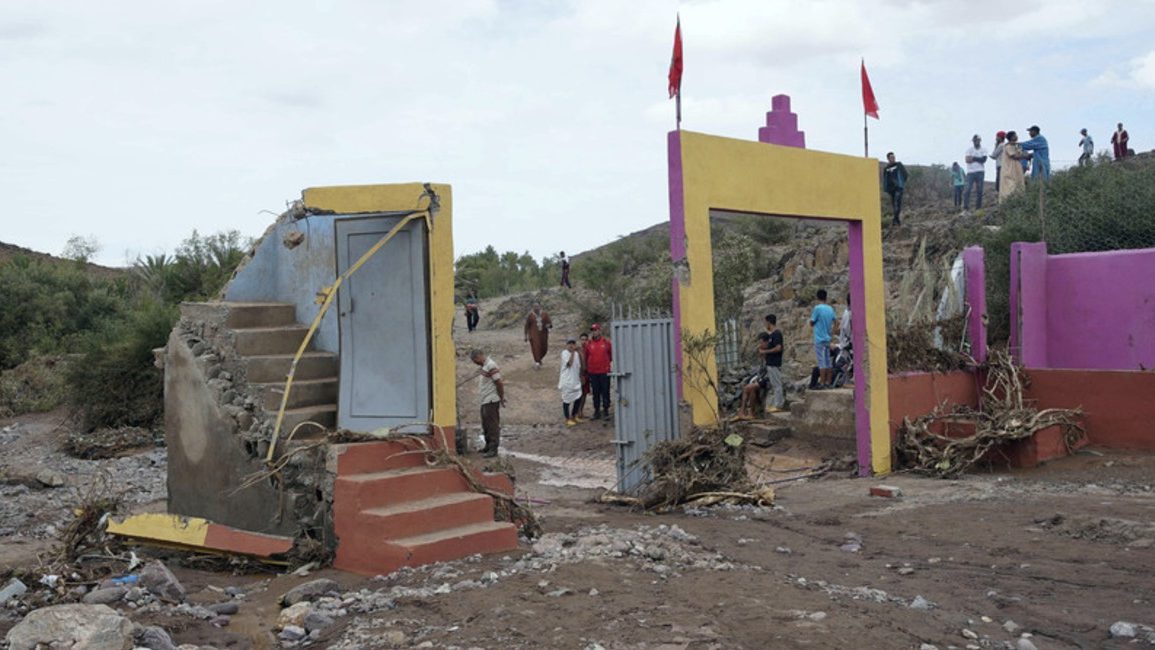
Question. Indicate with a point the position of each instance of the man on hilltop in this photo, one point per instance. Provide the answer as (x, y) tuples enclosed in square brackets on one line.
[(976, 159), (893, 183)]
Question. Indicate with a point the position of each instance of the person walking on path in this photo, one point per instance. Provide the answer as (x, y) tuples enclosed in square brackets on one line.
[(491, 395), (821, 320), (1119, 140), (472, 312), (772, 357), (1088, 146), (569, 381), (957, 180), (1013, 179), (1040, 154), (537, 327), (976, 159), (997, 155), (565, 271), (579, 408), (894, 183), (599, 360)]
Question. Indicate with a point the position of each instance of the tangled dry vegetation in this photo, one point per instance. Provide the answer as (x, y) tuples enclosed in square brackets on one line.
[(925, 445), (704, 468)]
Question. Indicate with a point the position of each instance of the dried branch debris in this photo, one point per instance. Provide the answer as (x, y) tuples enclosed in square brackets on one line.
[(935, 443)]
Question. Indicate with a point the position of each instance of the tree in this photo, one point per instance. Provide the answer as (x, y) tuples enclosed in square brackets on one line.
[(81, 249)]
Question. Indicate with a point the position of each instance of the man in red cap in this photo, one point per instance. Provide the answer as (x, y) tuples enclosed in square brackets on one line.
[(599, 357), (997, 154)]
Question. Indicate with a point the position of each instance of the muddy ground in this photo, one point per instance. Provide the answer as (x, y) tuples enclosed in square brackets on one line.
[(1059, 553)]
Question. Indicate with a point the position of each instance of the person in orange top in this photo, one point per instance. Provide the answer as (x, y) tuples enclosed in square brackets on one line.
[(599, 359)]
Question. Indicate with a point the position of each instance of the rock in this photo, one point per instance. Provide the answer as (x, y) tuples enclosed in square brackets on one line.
[(294, 615), (1025, 644), (394, 638), (50, 478), (225, 609), (104, 596), (969, 634), (783, 550), (927, 646), (1011, 627), (92, 627), (309, 591), (135, 594), (921, 603), (153, 638), (11, 590), (292, 633), (816, 616), (1123, 630), (158, 580), (220, 621), (905, 571), (317, 621)]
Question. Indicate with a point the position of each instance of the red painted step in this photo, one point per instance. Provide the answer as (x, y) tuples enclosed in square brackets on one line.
[(370, 457), (369, 556), (425, 515), (361, 491)]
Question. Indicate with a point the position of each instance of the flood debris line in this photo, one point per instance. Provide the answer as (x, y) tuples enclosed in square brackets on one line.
[(703, 468), (926, 445)]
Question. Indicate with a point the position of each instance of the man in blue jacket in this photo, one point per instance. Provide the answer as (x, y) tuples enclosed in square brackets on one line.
[(1040, 154), (893, 183)]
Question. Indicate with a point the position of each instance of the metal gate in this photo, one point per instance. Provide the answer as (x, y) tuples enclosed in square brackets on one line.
[(647, 395)]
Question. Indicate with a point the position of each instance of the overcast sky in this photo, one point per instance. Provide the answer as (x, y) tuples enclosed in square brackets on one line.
[(138, 121)]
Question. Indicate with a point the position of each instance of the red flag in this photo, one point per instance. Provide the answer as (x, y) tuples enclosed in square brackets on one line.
[(869, 104), (676, 62)]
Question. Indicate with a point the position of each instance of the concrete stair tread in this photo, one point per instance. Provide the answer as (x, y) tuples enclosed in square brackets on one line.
[(306, 410), (427, 503), (392, 473), (295, 327), (309, 354), (452, 533), (279, 384), (250, 303)]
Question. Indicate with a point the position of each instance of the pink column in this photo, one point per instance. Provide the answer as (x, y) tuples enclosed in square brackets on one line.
[(974, 265), (1028, 304), (858, 340), (677, 240)]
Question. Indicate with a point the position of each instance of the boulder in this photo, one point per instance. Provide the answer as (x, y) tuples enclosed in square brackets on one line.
[(106, 596), (294, 615), (156, 578), (309, 591), (77, 626), (154, 638)]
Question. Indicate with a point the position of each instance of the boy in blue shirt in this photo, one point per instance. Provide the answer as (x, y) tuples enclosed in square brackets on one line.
[(821, 320)]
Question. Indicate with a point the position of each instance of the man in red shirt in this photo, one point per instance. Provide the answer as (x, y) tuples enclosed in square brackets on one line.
[(599, 357)]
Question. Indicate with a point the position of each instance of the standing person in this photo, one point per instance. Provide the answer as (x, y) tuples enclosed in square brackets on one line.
[(537, 327), (957, 180), (1012, 167), (894, 183), (845, 337), (1040, 154), (565, 271), (599, 359), (976, 159), (1119, 141), (472, 312), (491, 394), (579, 408), (1088, 146), (997, 155), (756, 385), (569, 381), (772, 357), (821, 320)]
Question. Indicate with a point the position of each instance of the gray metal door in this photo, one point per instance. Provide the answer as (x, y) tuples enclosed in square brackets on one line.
[(384, 325), (647, 396)]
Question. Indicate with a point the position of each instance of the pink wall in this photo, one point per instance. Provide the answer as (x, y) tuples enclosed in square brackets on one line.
[(1083, 311)]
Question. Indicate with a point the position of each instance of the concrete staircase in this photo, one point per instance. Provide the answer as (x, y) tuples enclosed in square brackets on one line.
[(391, 510), (824, 418), (266, 336)]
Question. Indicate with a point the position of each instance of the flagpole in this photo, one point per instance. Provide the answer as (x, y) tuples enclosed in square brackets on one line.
[(865, 137), (678, 104)]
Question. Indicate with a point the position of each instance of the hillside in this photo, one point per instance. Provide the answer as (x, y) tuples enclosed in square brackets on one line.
[(11, 251)]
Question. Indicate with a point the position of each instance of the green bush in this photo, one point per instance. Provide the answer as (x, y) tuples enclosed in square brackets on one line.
[(1105, 207), (489, 273), (116, 382), (35, 386)]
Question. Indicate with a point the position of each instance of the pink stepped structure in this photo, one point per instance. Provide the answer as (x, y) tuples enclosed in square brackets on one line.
[(391, 510)]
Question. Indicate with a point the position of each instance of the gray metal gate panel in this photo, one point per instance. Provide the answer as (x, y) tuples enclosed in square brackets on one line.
[(647, 396), (384, 326)]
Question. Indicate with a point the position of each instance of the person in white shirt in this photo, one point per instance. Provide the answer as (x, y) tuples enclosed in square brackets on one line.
[(976, 158), (569, 381)]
